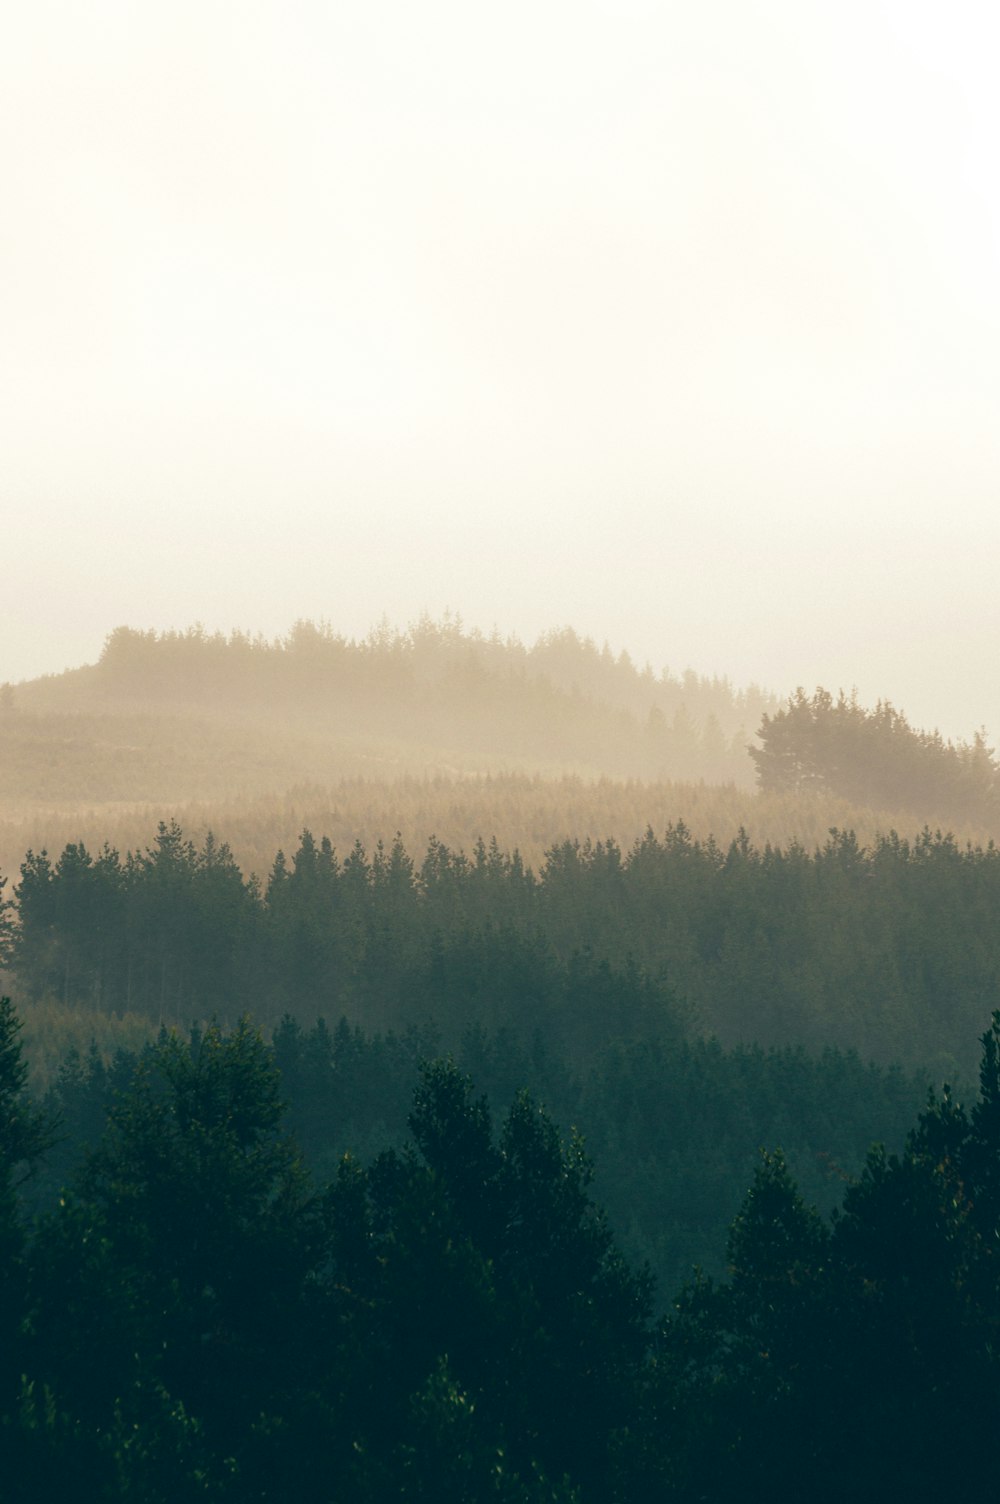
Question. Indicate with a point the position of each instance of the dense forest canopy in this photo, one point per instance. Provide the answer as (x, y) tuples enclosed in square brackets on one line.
[(199, 1315), (888, 949), (595, 980), (675, 1123)]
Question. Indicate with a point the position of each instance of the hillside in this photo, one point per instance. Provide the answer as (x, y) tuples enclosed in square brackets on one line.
[(192, 716), (436, 731)]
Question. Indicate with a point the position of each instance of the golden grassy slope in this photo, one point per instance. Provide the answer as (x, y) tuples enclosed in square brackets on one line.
[(531, 813)]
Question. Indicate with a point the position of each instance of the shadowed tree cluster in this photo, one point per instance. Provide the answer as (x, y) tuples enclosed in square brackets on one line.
[(675, 1125), (196, 1319), (199, 1319)]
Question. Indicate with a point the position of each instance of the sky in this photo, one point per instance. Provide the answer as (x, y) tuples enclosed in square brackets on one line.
[(677, 323)]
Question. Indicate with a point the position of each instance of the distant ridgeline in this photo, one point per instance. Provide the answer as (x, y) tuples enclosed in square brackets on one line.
[(165, 718), (890, 950), (874, 758), (429, 656), (563, 699)]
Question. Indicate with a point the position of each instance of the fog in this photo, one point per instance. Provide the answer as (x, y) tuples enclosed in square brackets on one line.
[(675, 323)]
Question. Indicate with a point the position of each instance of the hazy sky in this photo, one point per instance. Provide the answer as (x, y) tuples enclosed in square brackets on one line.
[(676, 322)]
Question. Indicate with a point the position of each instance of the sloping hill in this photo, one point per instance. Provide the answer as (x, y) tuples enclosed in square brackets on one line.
[(191, 716)]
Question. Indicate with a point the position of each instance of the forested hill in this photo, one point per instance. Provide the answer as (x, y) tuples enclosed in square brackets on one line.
[(434, 697), (442, 731), (440, 661)]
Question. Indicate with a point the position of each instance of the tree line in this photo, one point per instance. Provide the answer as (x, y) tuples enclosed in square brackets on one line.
[(527, 812), (428, 658), (888, 948)]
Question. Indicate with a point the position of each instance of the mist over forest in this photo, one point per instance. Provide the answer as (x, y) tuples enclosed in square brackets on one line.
[(432, 698), (469, 730), (543, 1051), (466, 981)]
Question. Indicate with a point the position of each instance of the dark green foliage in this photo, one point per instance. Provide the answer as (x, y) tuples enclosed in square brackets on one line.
[(25, 1133), (167, 1292), (449, 1318), (849, 1355), (487, 1252), (675, 1126), (888, 950), (185, 1239), (676, 1130), (452, 1321), (164, 931)]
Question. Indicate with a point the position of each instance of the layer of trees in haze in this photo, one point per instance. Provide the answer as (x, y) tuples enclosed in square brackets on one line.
[(604, 983), (285, 1212), (437, 662), (169, 716), (675, 1123), (889, 949), (437, 731), (530, 813)]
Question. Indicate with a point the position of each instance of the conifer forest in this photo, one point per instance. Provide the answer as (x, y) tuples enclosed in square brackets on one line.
[(434, 1068), (499, 763)]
